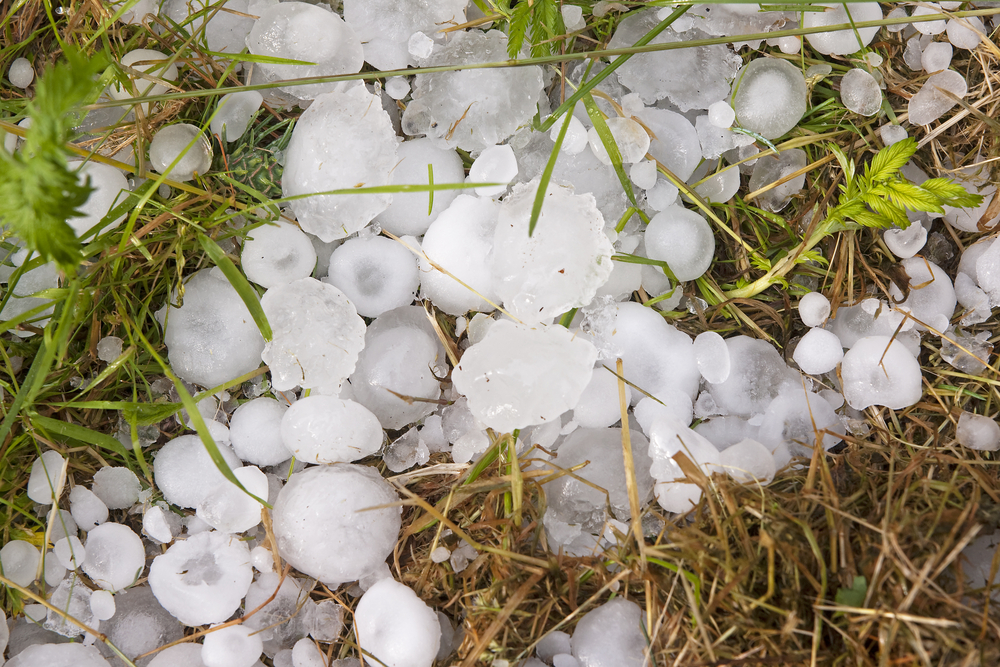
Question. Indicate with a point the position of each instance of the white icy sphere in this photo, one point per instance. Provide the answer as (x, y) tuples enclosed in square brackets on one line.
[(117, 487), (109, 348), (308, 33), (769, 96), (720, 186), (692, 78), (229, 509), (343, 140), (202, 579), (720, 114), (683, 239), (819, 351), (814, 308), (115, 556), (748, 461), (598, 405), (235, 112), (931, 294), (656, 357), (48, 476), (495, 164), (231, 646), (411, 212), (325, 429), (799, 420), (402, 355), (880, 371), (321, 528), (396, 627), (757, 375), (185, 147), (460, 241), (561, 265), (674, 142), (476, 108), (181, 655), (930, 103), (102, 604), (376, 274), (905, 243), (277, 254), (19, 560), (87, 509), (109, 185), (184, 472), (518, 376), (212, 337), (978, 432), (842, 42), (385, 26), (611, 636), (873, 318), (58, 655), (21, 73), (317, 336), (629, 136), (255, 432), (153, 66), (667, 437), (712, 355)]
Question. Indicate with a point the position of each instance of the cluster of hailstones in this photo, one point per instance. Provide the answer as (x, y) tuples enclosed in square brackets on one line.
[(337, 382)]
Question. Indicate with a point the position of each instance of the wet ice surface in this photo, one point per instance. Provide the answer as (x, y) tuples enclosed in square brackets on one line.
[(769, 96)]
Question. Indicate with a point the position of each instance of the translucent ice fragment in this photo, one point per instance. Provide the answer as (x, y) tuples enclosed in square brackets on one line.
[(842, 42), (818, 352), (769, 96), (880, 371), (234, 114), (978, 432), (859, 91), (185, 147), (930, 103), (326, 429)]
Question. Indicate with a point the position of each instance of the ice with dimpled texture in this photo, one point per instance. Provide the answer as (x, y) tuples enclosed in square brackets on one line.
[(769, 96)]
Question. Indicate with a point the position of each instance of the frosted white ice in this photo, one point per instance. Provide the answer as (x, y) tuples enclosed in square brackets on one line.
[(376, 274), (880, 371), (748, 461), (814, 308), (326, 429), (255, 432), (184, 472), (19, 560), (818, 352), (892, 134), (411, 212), (70, 552), (798, 421), (277, 254), (396, 626), (343, 140), (181, 655), (757, 375), (152, 65), (631, 140), (109, 185), (930, 103), (842, 42), (965, 33), (667, 438), (518, 376), (21, 73), (231, 646), (88, 510), (598, 406), (905, 243), (978, 432), (772, 169), (321, 530), (185, 147), (936, 57), (212, 337), (228, 509), (720, 114), (397, 87), (115, 556), (496, 164), (931, 293), (929, 27), (109, 348), (385, 27), (47, 478), (683, 239), (860, 92), (58, 655), (234, 113), (117, 487), (575, 139), (769, 96), (611, 636), (102, 604), (712, 355), (318, 335)]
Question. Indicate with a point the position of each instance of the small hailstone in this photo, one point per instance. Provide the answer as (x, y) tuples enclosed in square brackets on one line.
[(325, 621), (255, 432), (231, 646), (644, 174), (35, 613), (897, 13), (878, 370), (683, 239), (234, 114), (814, 308), (440, 555), (712, 356), (860, 92), (115, 556), (156, 526), (912, 54), (892, 134), (632, 105), (171, 144), (228, 509), (54, 572), (720, 114), (326, 429), (978, 432), (277, 254), (552, 644), (19, 561), (965, 33), (397, 87), (819, 351), (376, 274), (102, 603), (564, 660), (662, 195), (575, 139), (109, 348), (629, 136), (495, 164), (117, 487), (420, 45), (396, 627), (48, 475), (572, 16), (929, 27), (70, 552), (88, 510), (789, 45), (184, 473), (905, 243), (936, 57), (873, 59), (21, 73), (262, 559)]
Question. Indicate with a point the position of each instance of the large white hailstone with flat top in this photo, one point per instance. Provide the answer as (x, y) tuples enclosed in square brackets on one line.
[(561, 265), (842, 42), (202, 579), (115, 556), (344, 140), (324, 524), (683, 239), (326, 429), (377, 274), (880, 371), (397, 627), (317, 336), (769, 96), (420, 160), (308, 33), (255, 432), (517, 376), (212, 337)]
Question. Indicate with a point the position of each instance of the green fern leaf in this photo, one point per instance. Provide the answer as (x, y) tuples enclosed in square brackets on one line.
[(950, 193), (888, 161), (520, 19)]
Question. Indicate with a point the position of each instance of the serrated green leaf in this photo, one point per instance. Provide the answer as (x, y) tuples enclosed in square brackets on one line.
[(874, 220), (913, 197), (885, 208), (950, 193), (846, 164), (517, 29), (239, 283), (888, 161)]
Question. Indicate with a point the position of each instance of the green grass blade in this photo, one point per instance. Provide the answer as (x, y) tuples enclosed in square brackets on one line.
[(604, 132), (543, 183), (78, 433), (239, 283)]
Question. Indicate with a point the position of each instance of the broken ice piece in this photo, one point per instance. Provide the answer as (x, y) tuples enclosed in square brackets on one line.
[(234, 113), (326, 429), (860, 92), (905, 243), (109, 348), (878, 370), (48, 475), (978, 432), (496, 164), (930, 103), (406, 451), (966, 352)]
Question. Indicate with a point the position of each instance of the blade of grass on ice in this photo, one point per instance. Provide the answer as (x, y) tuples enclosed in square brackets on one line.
[(78, 433), (239, 283), (604, 132), (543, 184)]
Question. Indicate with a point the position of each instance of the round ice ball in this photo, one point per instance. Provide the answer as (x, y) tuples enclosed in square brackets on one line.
[(202, 579), (255, 432), (184, 143), (814, 308), (321, 529), (769, 96), (410, 212), (117, 487), (277, 254), (184, 473), (181, 655), (231, 646), (376, 274), (878, 370), (152, 64), (598, 406), (326, 429), (629, 136), (115, 556), (931, 295), (21, 73), (229, 509), (611, 634), (110, 188), (87, 509), (19, 560), (58, 655), (397, 627), (842, 42), (819, 351), (683, 239)]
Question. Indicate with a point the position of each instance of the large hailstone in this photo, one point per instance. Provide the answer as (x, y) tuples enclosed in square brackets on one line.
[(411, 212), (472, 109), (517, 376), (385, 27), (931, 299), (842, 42), (115, 556), (561, 265), (202, 579), (611, 636), (343, 140), (309, 33), (277, 254), (324, 526), (878, 370), (397, 627), (317, 336), (683, 239), (212, 337), (185, 474), (769, 96), (326, 429)]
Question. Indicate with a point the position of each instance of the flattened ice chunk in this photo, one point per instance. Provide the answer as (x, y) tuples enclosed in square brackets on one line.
[(931, 294), (317, 336), (376, 274), (860, 92), (880, 371), (396, 626), (769, 96), (115, 556), (517, 376), (611, 636), (277, 254), (842, 42), (930, 103), (385, 26), (561, 265), (326, 429), (321, 528), (819, 351), (681, 238), (343, 140), (185, 474)]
